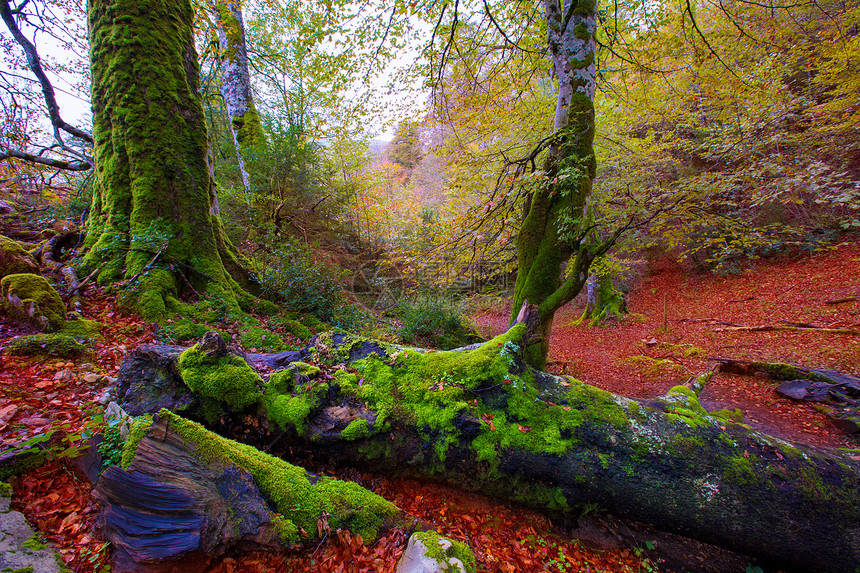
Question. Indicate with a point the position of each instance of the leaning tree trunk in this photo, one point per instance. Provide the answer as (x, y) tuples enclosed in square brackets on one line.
[(484, 420), (555, 214), (154, 217), (236, 84)]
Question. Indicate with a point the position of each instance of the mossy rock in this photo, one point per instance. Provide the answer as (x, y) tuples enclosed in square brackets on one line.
[(58, 345), (15, 260), (71, 341), (226, 378), (28, 298)]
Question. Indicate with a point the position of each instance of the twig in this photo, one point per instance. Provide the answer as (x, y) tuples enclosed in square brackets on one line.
[(842, 300), (83, 283), (770, 327), (140, 272)]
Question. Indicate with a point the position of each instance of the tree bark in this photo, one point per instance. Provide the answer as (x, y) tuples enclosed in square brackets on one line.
[(554, 222), (153, 188), (483, 420), (242, 114)]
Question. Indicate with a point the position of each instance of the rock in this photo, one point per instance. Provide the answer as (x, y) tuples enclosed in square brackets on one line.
[(91, 377), (149, 380), (428, 552), (15, 260), (20, 547), (28, 298), (56, 344)]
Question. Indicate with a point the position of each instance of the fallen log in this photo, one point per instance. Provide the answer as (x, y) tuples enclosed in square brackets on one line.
[(485, 421), (772, 327), (188, 495)]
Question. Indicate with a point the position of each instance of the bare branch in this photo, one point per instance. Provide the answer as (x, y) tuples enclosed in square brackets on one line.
[(35, 65), (57, 163)]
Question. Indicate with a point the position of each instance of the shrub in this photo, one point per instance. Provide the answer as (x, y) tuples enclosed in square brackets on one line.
[(292, 273), (436, 322)]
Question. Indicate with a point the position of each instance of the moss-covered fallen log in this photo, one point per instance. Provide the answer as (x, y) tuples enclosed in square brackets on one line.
[(185, 495), (484, 420)]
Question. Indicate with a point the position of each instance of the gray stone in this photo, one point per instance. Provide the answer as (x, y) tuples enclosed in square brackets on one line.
[(416, 559), (19, 546)]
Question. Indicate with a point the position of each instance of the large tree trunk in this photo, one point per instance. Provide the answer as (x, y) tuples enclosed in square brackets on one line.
[(555, 214), (154, 214), (483, 420)]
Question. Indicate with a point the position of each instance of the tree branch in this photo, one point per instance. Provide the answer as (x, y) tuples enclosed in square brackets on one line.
[(57, 163), (35, 65)]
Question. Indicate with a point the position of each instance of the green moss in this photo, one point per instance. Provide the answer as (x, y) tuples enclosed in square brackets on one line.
[(29, 298), (356, 429), (288, 411), (736, 415), (5, 489), (295, 497), (228, 378), (457, 550), (35, 543), (287, 380), (288, 532), (581, 32), (14, 259), (740, 471), (292, 394), (261, 339), (59, 345), (299, 329), (579, 64), (135, 435)]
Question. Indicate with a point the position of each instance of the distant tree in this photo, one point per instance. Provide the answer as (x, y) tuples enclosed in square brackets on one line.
[(67, 149), (405, 148), (245, 125)]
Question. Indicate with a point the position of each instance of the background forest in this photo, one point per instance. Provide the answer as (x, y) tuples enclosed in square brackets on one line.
[(730, 127)]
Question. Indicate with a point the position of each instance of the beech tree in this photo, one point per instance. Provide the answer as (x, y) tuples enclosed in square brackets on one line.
[(242, 113), (154, 220)]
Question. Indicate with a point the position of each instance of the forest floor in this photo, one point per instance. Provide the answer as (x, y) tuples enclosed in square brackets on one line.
[(679, 321), (634, 356)]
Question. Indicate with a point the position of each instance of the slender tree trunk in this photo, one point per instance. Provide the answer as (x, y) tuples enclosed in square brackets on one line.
[(236, 84), (554, 218), (154, 214)]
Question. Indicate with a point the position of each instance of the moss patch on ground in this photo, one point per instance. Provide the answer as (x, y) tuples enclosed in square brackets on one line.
[(71, 341)]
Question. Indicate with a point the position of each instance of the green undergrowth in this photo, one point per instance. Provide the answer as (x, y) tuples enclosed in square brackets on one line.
[(298, 496), (276, 331)]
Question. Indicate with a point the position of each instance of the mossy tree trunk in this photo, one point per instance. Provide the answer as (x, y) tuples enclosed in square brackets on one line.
[(603, 298), (555, 218), (242, 114), (153, 192)]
